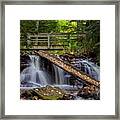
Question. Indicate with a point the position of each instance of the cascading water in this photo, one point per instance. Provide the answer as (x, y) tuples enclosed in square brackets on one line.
[(33, 73), (93, 70), (59, 75), (90, 68), (62, 78), (40, 76), (35, 61)]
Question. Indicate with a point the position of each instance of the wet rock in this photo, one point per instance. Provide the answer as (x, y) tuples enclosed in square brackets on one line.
[(56, 93), (89, 92), (45, 93), (67, 97), (24, 61)]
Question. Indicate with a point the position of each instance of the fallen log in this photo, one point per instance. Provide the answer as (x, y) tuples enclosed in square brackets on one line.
[(69, 68)]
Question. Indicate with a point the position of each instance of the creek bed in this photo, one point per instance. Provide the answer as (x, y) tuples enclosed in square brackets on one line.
[(56, 93)]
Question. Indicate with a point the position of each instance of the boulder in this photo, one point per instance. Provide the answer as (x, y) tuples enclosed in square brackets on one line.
[(89, 92), (44, 93)]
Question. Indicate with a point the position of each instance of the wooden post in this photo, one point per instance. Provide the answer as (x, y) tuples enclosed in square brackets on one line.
[(48, 41)]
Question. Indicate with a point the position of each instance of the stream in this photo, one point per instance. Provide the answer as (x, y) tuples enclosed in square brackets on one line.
[(40, 73)]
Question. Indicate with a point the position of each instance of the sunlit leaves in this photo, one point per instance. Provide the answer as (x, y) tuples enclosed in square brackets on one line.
[(86, 42)]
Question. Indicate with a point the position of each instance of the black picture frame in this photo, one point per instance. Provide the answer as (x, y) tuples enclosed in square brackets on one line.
[(2, 56)]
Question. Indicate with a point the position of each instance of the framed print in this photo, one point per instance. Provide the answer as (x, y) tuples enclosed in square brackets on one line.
[(60, 60)]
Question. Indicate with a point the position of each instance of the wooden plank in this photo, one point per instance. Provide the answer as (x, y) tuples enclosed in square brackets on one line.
[(37, 49), (33, 41), (38, 40)]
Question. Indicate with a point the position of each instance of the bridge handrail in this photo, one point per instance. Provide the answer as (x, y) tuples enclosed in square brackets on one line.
[(48, 38)]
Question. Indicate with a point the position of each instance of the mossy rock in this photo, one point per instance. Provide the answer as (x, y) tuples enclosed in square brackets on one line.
[(44, 93), (49, 92)]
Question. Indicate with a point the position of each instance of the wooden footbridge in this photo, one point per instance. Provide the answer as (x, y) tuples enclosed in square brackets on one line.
[(68, 67), (48, 41)]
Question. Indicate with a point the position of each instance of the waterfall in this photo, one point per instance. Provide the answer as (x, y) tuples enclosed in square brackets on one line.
[(36, 74), (33, 73), (35, 60), (90, 68), (59, 75)]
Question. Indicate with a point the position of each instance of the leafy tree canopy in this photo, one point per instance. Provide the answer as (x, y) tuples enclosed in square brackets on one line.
[(87, 42)]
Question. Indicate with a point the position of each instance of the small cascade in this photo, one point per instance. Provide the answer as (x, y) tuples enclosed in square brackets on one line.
[(33, 73), (35, 60), (62, 77), (59, 75), (38, 74), (89, 68), (56, 74), (94, 70)]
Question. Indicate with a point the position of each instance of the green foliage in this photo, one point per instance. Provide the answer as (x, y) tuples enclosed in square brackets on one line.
[(85, 43)]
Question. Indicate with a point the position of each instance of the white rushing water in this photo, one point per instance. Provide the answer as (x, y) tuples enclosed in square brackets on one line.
[(33, 73), (59, 75), (90, 68), (38, 76)]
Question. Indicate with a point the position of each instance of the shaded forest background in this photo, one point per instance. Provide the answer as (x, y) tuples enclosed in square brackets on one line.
[(86, 44)]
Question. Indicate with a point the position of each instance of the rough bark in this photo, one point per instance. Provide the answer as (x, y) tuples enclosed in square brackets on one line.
[(69, 68)]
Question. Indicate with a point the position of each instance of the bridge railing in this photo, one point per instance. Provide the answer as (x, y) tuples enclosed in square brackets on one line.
[(48, 41)]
